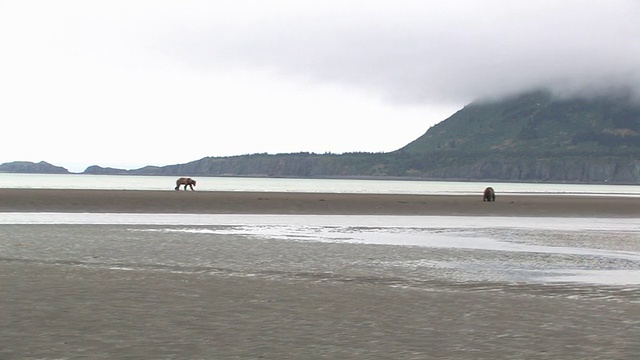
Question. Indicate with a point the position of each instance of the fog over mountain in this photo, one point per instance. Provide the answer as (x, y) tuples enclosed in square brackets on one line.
[(417, 51)]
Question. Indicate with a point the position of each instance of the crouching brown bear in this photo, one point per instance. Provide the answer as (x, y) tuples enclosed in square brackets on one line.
[(489, 194)]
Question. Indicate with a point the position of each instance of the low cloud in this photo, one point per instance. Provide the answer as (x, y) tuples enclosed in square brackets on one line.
[(428, 52), (245, 76)]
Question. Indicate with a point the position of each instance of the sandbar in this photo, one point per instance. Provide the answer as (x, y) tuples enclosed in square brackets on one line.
[(229, 202)]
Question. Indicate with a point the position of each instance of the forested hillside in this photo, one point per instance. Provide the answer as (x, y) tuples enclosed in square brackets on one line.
[(537, 137), (538, 123)]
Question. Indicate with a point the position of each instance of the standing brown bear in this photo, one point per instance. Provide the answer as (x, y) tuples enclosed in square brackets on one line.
[(186, 182)]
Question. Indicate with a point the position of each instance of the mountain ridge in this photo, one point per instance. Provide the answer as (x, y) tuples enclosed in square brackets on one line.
[(28, 167), (533, 136)]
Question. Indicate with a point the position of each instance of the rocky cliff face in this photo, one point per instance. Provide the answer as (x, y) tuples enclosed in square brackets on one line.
[(583, 169), (284, 165), (567, 169), (572, 170)]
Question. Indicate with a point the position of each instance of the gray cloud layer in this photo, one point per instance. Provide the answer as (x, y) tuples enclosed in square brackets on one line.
[(427, 51)]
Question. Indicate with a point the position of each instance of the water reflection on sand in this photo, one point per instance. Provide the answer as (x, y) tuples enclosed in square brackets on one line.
[(536, 250)]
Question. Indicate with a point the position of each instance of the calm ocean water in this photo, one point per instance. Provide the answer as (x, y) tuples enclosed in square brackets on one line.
[(114, 182)]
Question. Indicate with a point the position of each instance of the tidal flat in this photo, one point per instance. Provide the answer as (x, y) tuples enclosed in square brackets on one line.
[(165, 286)]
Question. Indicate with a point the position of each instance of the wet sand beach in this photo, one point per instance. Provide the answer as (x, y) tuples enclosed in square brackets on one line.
[(122, 292), (131, 201), (62, 312)]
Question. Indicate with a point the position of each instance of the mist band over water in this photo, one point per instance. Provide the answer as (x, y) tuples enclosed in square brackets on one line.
[(131, 182)]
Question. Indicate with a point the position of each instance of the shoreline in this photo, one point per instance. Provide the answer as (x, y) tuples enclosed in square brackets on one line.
[(229, 202)]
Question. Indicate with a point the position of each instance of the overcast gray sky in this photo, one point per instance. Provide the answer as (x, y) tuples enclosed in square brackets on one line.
[(133, 83)]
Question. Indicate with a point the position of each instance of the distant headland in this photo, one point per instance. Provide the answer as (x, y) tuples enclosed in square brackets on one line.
[(530, 137)]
